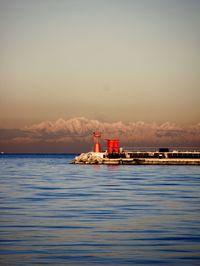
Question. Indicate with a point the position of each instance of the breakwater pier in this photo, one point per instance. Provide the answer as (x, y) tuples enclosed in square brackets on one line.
[(114, 155), (139, 158)]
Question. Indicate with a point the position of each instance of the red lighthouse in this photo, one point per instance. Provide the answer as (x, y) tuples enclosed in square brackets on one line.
[(96, 137)]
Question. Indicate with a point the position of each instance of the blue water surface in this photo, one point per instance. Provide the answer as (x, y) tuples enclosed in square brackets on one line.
[(54, 212)]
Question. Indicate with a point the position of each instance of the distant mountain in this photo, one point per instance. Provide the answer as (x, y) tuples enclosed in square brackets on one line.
[(75, 134), (131, 132)]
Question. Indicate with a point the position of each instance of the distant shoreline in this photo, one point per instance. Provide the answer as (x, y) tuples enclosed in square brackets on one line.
[(37, 153)]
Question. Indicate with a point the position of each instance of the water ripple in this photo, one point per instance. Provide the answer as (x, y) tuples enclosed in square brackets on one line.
[(52, 212)]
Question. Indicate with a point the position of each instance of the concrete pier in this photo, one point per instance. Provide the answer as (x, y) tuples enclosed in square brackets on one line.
[(139, 158)]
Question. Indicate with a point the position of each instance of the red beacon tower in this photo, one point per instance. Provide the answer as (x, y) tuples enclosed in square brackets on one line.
[(96, 137)]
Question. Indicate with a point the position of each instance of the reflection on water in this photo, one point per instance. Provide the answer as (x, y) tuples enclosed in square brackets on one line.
[(57, 213)]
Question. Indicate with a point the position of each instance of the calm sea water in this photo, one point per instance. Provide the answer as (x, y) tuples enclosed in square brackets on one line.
[(52, 212)]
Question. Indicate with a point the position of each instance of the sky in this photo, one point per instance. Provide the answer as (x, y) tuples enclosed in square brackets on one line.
[(110, 61)]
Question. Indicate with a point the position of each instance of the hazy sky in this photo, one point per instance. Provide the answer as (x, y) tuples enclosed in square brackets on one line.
[(109, 60)]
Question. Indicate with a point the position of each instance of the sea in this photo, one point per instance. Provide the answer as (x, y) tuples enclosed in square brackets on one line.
[(56, 213)]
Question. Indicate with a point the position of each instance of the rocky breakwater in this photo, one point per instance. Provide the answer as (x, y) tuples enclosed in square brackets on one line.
[(88, 158)]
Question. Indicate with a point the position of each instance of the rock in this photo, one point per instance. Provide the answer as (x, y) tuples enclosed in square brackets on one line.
[(88, 158)]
